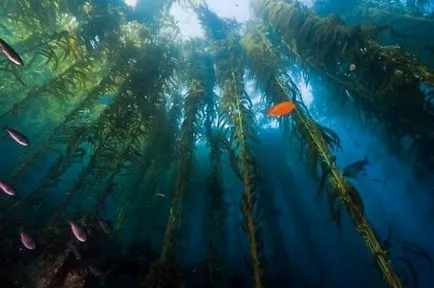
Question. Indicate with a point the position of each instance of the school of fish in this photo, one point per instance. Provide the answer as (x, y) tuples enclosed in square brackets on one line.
[(28, 241)]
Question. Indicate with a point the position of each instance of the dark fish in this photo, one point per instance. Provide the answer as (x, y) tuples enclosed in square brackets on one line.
[(105, 226), (10, 53), (352, 170), (95, 270), (17, 136)]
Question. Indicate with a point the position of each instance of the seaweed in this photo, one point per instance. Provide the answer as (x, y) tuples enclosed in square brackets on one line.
[(386, 83), (311, 136)]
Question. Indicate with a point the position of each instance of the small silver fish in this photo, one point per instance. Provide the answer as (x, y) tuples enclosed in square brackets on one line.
[(27, 241), (17, 136), (105, 226), (10, 53), (7, 189), (78, 232), (95, 271)]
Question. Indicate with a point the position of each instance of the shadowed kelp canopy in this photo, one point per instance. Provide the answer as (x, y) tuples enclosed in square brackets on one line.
[(386, 83), (120, 111)]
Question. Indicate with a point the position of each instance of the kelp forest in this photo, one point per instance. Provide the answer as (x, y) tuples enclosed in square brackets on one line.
[(134, 157)]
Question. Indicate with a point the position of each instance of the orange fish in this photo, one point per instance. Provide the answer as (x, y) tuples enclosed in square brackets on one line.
[(281, 109)]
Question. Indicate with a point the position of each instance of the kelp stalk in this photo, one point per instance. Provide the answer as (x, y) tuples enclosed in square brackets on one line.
[(337, 180), (247, 206)]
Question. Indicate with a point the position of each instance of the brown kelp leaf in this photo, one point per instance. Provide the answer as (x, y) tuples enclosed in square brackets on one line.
[(413, 271), (356, 198), (416, 249), (335, 207), (325, 173)]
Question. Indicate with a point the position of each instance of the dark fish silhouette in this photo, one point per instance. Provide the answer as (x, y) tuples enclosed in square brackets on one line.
[(105, 226), (352, 170), (10, 53)]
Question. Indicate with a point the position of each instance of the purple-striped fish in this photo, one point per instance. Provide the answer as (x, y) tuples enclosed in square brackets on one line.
[(10, 53), (78, 232), (17, 136), (27, 241), (6, 188)]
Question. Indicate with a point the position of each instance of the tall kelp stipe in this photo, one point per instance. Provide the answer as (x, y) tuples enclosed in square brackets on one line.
[(235, 106), (200, 88), (215, 226), (214, 133)]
